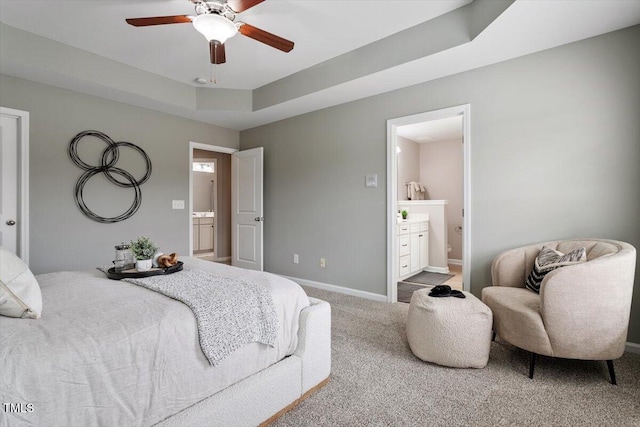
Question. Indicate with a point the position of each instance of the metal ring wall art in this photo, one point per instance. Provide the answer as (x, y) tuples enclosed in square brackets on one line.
[(118, 176)]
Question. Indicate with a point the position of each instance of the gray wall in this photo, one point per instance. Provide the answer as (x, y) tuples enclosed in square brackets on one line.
[(61, 236), (555, 153)]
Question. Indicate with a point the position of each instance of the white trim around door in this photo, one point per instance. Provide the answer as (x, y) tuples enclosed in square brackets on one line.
[(392, 190), (23, 178)]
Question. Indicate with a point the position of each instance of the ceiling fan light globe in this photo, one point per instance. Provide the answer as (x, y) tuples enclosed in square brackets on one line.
[(214, 27)]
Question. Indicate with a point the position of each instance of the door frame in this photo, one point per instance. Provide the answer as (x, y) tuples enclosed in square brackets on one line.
[(206, 147), (392, 191), (23, 178)]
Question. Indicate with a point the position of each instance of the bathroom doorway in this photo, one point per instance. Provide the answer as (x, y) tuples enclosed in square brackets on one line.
[(428, 176), (210, 202)]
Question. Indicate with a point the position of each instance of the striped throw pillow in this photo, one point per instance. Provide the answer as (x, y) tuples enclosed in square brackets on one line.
[(548, 260)]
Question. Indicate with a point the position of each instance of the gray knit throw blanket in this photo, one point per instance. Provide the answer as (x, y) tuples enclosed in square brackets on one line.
[(230, 312)]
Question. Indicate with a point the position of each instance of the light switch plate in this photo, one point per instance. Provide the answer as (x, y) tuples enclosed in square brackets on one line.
[(371, 180), (177, 204)]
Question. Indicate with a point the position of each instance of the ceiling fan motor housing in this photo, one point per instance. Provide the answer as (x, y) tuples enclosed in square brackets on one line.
[(214, 7)]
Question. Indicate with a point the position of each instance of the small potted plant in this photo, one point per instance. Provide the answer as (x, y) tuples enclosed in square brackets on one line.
[(143, 250), (404, 214)]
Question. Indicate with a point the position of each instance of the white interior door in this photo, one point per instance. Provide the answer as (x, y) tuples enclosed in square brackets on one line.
[(13, 181), (247, 208)]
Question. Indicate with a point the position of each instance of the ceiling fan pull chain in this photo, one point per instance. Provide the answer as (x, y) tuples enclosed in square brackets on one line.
[(213, 74)]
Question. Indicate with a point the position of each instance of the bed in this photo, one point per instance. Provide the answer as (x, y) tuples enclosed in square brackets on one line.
[(112, 353)]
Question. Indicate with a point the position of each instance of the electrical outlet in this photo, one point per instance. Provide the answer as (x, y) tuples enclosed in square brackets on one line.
[(295, 258), (323, 262), (177, 204)]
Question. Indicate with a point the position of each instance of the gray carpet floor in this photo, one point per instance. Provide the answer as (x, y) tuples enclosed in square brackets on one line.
[(376, 381)]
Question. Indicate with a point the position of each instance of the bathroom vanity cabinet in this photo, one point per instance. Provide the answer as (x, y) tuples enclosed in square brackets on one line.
[(203, 234), (413, 247)]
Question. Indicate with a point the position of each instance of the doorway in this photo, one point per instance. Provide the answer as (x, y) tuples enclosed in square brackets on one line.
[(14, 181), (247, 205), (210, 202), (425, 206)]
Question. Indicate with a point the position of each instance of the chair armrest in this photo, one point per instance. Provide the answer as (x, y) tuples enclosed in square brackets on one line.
[(586, 307), (510, 268)]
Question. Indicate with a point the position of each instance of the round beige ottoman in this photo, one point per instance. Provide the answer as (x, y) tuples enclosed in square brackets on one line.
[(449, 331)]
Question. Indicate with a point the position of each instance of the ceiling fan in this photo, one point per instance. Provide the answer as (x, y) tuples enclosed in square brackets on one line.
[(215, 21)]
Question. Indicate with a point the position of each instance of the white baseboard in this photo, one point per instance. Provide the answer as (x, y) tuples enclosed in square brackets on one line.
[(454, 261), (223, 259), (632, 347), (339, 289)]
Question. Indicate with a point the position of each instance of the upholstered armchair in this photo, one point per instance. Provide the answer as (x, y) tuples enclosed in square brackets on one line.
[(582, 310)]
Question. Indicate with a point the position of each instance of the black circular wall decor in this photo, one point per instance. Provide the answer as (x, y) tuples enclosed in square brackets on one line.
[(107, 166)]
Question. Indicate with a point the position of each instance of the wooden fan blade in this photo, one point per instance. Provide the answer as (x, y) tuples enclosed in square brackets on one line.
[(216, 52), (159, 20), (265, 37), (241, 5)]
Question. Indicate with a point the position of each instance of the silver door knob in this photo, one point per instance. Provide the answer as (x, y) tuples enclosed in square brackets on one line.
[(11, 222)]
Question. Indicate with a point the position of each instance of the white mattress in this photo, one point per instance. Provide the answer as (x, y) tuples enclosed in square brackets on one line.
[(112, 353)]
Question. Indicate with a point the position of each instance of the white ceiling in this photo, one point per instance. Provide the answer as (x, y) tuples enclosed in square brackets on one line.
[(433, 131), (322, 30)]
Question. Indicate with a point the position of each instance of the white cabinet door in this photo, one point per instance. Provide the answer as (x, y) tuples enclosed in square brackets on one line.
[(205, 237), (196, 235), (415, 252), (423, 236)]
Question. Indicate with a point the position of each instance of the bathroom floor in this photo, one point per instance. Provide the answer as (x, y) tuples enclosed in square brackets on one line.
[(210, 256), (456, 281), (207, 256), (404, 295)]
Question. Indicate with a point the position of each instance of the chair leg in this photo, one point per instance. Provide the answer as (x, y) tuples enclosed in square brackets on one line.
[(532, 364), (612, 373)]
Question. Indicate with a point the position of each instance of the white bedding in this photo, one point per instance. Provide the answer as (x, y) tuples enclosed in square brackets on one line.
[(114, 354)]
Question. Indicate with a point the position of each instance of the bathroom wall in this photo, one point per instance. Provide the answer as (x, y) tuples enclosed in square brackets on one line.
[(223, 213), (408, 164), (441, 171), (203, 188)]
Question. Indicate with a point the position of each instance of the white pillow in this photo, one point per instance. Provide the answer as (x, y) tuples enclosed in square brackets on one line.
[(19, 291)]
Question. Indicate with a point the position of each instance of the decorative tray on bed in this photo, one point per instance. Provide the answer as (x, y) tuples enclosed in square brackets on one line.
[(135, 274)]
